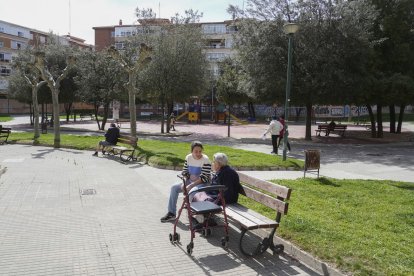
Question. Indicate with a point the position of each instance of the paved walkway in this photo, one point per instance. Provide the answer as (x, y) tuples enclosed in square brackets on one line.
[(50, 225)]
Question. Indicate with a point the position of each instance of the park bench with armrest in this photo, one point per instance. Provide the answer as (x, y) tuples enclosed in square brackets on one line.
[(275, 198), (329, 129), (4, 134), (125, 153)]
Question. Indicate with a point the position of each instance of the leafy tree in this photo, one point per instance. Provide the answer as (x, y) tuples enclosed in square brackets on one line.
[(54, 62), (328, 50), (230, 87), (100, 80), (177, 70), (27, 75), (392, 66), (132, 59)]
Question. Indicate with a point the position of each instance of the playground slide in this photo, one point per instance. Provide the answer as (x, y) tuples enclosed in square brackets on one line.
[(182, 115), (238, 120)]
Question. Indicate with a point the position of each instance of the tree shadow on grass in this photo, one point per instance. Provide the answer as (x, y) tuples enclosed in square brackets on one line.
[(406, 186), (146, 156), (327, 182)]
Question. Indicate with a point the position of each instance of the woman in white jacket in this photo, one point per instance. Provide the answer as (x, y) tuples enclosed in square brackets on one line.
[(274, 128)]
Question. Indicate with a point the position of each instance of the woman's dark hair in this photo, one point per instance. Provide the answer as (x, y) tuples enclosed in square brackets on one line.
[(196, 144)]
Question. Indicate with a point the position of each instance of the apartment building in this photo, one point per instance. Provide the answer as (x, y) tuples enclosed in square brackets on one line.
[(14, 37), (218, 35)]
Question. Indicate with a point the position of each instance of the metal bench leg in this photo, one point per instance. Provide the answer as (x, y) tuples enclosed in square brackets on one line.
[(261, 247)]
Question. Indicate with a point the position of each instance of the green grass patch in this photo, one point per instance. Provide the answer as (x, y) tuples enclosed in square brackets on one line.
[(5, 118), (164, 153), (365, 227)]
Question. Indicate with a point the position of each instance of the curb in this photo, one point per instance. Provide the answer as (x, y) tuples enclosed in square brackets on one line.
[(307, 259)]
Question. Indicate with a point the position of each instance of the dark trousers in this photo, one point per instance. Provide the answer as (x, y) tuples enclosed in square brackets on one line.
[(274, 143), (280, 140)]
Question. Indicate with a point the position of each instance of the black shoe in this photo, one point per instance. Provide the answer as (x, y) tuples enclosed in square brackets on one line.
[(95, 154), (168, 217)]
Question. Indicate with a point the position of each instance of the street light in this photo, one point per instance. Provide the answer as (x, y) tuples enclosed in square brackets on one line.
[(289, 29)]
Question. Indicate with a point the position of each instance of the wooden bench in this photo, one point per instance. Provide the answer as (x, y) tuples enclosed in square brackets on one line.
[(247, 219), (4, 134), (125, 153), (329, 129), (120, 121)]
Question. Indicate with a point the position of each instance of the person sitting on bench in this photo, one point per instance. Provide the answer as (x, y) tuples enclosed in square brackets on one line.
[(111, 138), (197, 168), (223, 175)]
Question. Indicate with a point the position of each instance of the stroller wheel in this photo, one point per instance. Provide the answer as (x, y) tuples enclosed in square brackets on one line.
[(171, 237), (190, 247), (177, 237)]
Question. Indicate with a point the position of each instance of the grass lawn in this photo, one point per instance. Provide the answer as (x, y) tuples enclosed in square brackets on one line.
[(163, 153), (5, 118), (365, 227)]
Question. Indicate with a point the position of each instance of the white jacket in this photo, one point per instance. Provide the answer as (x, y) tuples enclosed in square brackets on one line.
[(274, 128)]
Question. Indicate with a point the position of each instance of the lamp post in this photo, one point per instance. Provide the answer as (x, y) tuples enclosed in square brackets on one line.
[(289, 29)]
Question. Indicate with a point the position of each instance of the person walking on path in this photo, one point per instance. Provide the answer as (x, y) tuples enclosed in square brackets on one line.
[(197, 168), (274, 129), (282, 132), (111, 138), (172, 121)]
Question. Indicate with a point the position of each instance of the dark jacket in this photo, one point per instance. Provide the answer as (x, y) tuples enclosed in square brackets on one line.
[(112, 135), (229, 178)]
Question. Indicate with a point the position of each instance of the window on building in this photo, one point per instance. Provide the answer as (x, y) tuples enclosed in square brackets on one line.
[(5, 57), (1, 44), (112, 34), (21, 34), (4, 71), (216, 56), (119, 45)]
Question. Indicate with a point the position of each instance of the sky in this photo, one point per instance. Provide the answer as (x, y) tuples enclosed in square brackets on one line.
[(77, 17)]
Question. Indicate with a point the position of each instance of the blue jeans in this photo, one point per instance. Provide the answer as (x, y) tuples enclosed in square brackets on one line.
[(172, 202)]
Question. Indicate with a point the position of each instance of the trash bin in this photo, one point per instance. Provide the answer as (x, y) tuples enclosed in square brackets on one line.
[(312, 161), (44, 127)]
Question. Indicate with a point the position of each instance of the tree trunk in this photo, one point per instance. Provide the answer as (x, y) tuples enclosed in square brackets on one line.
[(252, 113), (308, 129), (372, 120), (95, 109), (380, 133), (35, 112), (68, 109), (228, 122), (105, 115), (392, 118), (162, 115), (56, 122), (31, 114), (400, 118), (170, 109), (132, 107)]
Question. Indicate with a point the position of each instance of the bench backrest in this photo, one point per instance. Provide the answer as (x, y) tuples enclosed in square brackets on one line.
[(279, 193), (128, 139), (5, 129)]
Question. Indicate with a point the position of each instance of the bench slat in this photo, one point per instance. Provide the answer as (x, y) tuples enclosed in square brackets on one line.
[(269, 201), (270, 187), (247, 218)]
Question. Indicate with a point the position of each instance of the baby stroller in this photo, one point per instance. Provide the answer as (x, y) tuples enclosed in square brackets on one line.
[(205, 208)]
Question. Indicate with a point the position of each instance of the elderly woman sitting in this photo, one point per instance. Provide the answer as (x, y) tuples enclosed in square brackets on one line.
[(223, 175)]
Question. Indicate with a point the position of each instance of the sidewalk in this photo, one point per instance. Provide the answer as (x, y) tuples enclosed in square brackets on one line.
[(64, 212)]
